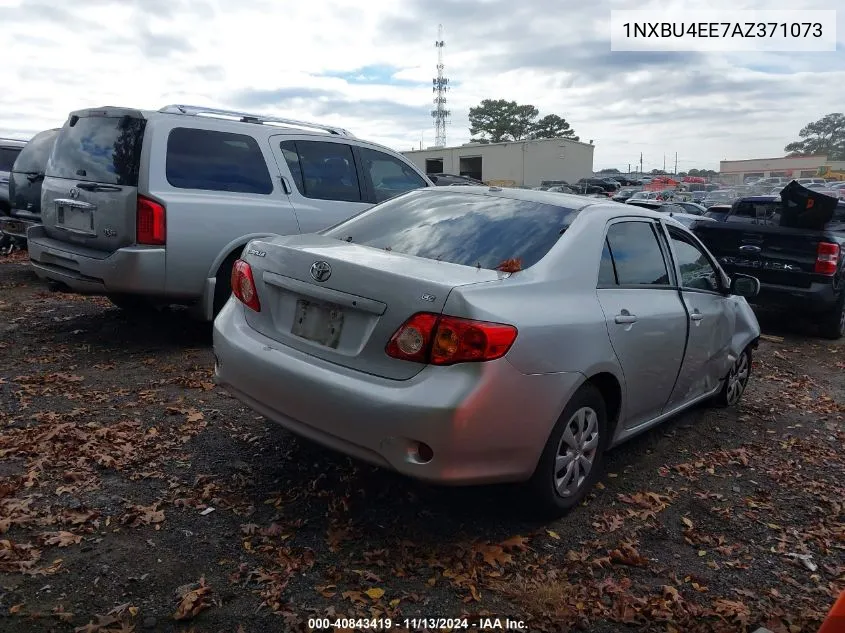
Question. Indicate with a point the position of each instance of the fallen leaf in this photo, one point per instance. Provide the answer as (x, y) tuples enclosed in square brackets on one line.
[(375, 593)]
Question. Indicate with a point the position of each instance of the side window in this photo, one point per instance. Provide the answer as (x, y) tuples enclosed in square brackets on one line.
[(696, 270), (216, 161), (323, 170), (637, 255), (607, 273), (388, 175)]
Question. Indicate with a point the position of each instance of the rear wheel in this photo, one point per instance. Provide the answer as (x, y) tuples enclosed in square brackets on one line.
[(832, 324), (573, 455)]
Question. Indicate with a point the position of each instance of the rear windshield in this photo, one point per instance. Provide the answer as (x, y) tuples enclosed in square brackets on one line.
[(99, 149), (460, 228), (7, 157), (33, 158)]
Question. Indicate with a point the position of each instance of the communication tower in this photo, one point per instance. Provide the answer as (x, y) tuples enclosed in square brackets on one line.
[(439, 88)]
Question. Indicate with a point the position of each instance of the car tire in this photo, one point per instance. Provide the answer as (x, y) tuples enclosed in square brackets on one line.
[(556, 487), (832, 324), (736, 381), (132, 303), (223, 285)]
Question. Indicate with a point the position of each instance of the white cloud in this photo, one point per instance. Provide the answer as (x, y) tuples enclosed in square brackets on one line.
[(275, 57)]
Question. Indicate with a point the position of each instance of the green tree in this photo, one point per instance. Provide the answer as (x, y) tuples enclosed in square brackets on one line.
[(825, 136), (498, 120), (553, 126)]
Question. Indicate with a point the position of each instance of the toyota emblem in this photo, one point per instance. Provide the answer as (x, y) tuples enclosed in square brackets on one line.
[(321, 271), (74, 193)]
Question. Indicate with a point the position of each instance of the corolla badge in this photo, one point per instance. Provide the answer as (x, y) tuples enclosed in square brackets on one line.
[(321, 270)]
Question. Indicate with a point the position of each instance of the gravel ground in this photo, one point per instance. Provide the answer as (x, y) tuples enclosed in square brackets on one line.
[(136, 496)]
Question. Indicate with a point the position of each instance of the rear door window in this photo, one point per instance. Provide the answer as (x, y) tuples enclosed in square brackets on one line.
[(99, 149), (323, 171), (8, 155), (461, 228), (216, 161), (388, 176), (33, 158), (637, 256)]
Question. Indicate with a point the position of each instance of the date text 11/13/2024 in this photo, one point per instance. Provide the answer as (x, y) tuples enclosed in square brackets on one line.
[(417, 624)]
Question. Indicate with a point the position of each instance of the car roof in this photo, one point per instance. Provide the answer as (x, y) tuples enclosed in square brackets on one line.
[(12, 142), (270, 125), (758, 198), (554, 198)]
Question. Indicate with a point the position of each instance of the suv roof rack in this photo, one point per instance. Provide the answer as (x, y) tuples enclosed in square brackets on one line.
[(246, 117)]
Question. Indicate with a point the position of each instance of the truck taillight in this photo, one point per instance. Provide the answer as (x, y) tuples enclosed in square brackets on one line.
[(827, 258), (243, 285), (150, 224), (446, 340)]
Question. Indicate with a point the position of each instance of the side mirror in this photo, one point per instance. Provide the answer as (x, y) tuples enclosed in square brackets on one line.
[(745, 286)]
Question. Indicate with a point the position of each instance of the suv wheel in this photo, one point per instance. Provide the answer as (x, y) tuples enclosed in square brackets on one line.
[(573, 455), (131, 303), (223, 286)]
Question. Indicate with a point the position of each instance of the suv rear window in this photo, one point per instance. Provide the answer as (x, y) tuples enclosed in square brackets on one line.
[(99, 149), (216, 161), (33, 158), (459, 227), (7, 157)]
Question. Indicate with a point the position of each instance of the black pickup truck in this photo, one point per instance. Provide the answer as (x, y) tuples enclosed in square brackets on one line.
[(794, 245)]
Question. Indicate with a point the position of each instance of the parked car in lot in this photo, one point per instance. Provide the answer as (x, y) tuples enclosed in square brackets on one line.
[(794, 244), (624, 194), (720, 196), (150, 207), (25, 180), (445, 180), (9, 150), (480, 335), (673, 209)]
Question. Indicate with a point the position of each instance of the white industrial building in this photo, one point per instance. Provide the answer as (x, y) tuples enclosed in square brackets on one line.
[(736, 171), (513, 163)]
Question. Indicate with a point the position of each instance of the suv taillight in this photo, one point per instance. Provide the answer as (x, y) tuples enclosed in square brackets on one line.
[(446, 340), (150, 226), (243, 285), (827, 258)]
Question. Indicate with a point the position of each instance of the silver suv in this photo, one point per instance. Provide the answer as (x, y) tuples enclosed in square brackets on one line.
[(154, 207)]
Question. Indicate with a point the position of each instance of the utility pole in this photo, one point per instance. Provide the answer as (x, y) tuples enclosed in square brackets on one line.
[(676, 163), (641, 163), (664, 163), (629, 170)]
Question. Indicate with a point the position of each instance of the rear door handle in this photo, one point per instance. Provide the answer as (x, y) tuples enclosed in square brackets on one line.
[(625, 318), (696, 316)]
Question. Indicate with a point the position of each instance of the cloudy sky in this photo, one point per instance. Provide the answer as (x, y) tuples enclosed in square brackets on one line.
[(368, 66)]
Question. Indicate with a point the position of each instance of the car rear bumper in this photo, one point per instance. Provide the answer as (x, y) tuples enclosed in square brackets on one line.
[(15, 227), (131, 270), (818, 297), (485, 423)]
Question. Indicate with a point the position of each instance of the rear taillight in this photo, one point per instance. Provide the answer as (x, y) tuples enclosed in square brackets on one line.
[(243, 285), (827, 258), (446, 340), (150, 226)]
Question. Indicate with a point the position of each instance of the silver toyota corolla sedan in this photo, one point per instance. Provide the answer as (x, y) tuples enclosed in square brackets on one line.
[(475, 335)]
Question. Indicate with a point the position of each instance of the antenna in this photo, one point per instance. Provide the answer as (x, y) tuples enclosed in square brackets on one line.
[(440, 85)]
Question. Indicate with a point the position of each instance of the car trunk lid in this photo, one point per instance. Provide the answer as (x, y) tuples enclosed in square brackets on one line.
[(89, 194), (342, 302)]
